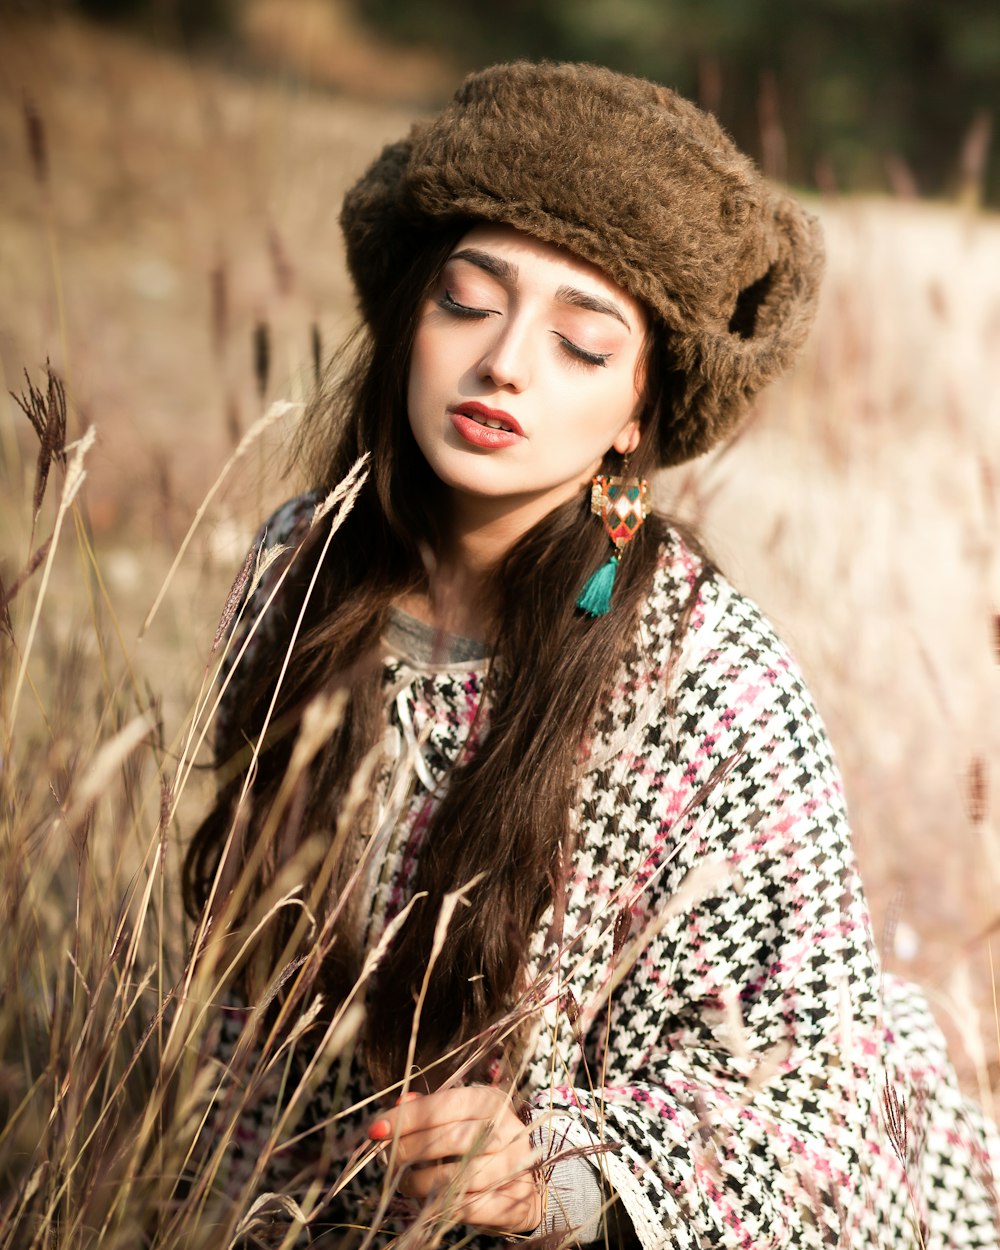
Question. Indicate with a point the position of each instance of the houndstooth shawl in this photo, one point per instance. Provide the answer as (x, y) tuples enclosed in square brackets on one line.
[(710, 1025)]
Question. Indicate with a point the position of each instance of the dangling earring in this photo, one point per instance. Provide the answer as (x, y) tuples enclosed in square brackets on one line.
[(620, 502)]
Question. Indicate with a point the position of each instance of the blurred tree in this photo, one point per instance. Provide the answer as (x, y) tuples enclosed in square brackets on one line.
[(862, 94)]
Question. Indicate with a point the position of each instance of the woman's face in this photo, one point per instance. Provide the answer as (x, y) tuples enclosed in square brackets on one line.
[(524, 371)]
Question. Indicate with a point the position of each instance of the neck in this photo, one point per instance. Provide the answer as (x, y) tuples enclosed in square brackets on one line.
[(480, 533), (482, 529)]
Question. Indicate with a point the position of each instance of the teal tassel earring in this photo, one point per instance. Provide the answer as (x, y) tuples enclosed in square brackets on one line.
[(620, 502), (595, 598)]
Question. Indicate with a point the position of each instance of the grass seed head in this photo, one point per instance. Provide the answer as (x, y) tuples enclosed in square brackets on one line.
[(235, 598), (38, 149), (219, 285), (261, 356), (47, 415)]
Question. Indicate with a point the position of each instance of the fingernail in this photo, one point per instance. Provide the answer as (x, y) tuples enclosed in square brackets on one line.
[(380, 1130), (407, 1097)]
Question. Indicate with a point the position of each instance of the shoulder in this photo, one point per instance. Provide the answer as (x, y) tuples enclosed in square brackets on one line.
[(727, 679), (283, 530), (705, 625), (706, 664), (288, 524), (253, 609)]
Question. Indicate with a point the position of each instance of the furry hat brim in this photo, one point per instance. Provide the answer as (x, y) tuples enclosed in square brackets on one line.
[(631, 177)]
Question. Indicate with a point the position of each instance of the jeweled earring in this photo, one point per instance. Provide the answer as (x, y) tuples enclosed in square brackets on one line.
[(621, 504)]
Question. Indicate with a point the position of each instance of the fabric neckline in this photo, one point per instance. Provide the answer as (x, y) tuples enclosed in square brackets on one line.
[(413, 639)]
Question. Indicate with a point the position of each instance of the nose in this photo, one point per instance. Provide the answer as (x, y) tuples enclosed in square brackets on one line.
[(505, 362)]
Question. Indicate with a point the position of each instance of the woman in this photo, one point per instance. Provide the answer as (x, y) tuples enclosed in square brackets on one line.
[(623, 982)]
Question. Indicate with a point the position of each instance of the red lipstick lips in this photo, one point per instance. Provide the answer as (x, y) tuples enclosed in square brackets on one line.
[(470, 422)]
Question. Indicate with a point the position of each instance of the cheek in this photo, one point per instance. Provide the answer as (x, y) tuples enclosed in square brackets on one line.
[(417, 366), (630, 397), (435, 364), (421, 378), (613, 405)]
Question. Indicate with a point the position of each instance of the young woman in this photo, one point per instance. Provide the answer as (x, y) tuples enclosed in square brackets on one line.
[(575, 830)]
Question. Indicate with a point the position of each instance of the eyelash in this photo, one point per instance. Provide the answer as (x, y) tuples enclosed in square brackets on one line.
[(599, 359), (450, 304), (579, 354)]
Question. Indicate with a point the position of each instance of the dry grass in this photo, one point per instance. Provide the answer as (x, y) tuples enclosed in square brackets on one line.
[(183, 208), (188, 207)]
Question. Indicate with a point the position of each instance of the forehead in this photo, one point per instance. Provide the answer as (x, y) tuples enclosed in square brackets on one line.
[(546, 265)]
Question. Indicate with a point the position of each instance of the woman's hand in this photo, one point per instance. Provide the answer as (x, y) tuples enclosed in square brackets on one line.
[(471, 1139)]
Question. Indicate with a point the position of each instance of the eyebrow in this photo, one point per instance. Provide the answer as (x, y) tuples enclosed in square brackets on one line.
[(507, 272), (593, 303), (494, 265)]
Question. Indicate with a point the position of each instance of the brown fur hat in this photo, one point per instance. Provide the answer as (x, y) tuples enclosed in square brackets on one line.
[(631, 177)]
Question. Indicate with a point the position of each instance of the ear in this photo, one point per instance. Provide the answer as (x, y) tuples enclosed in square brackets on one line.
[(628, 440)]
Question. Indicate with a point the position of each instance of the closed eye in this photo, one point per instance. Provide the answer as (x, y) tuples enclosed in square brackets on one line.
[(450, 304), (581, 353)]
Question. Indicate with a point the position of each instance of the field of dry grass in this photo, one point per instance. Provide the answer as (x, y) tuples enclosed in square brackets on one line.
[(185, 212)]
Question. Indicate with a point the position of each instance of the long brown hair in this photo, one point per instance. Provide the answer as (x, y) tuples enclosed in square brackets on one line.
[(506, 810)]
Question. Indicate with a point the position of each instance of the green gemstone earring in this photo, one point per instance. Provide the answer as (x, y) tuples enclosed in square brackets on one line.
[(621, 504)]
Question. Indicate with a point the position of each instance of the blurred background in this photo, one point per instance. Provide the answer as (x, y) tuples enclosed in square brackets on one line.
[(171, 176), (853, 94)]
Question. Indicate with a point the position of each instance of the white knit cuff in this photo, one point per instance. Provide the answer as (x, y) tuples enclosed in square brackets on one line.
[(574, 1200)]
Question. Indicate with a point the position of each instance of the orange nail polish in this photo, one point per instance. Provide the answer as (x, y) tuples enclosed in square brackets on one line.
[(380, 1130)]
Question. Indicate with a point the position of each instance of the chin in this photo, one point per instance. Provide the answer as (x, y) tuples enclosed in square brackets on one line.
[(469, 475)]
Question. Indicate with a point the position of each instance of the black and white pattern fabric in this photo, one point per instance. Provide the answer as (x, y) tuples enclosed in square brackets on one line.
[(712, 1018)]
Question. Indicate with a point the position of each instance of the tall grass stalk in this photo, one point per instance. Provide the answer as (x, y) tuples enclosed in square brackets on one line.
[(105, 1007), (74, 480), (277, 412)]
